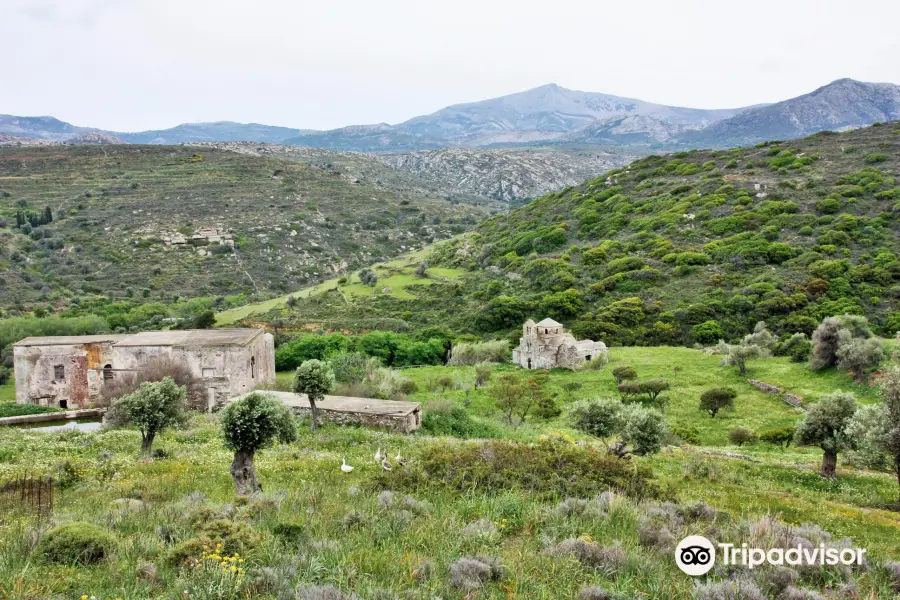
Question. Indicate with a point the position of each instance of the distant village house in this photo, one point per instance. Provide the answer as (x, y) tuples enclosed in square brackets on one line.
[(546, 345), (70, 371)]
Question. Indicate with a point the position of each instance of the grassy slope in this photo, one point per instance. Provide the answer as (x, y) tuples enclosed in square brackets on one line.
[(309, 491), (294, 223), (395, 274)]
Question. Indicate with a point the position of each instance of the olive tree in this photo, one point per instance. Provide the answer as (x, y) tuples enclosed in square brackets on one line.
[(601, 418), (644, 429), (250, 424), (153, 407), (315, 379), (858, 355), (624, 373), (877, 427), (739, 354), (825, 425), (715, 399), (890, 435), (831, 334)]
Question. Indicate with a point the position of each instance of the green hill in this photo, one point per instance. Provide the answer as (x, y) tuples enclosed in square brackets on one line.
[(784, 232), (248, 224)]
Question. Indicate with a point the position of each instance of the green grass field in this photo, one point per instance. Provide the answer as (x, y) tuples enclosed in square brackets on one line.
[(316, 526)]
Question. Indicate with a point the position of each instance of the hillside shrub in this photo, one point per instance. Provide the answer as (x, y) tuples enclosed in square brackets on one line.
[(348, 367), (831, 333), (689, 434), (645, 429), (782, 436), (456, 421), (76, 543), (624, 373), (601, 417), (495, 351), (742, 435), (715, 399), (550, 469), (858, 355), (708, 332)]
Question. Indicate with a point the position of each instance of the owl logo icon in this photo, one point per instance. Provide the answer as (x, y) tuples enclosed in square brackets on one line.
[(695, 555)]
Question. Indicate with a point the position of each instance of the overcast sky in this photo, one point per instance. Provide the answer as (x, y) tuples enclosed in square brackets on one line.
[(131, 65)]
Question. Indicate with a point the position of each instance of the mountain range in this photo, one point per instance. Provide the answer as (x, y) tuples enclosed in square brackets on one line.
[(548, 114)]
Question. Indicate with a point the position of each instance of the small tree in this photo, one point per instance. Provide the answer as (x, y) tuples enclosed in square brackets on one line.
[(420, 269), (644, 429), (509, 395), (797, 347), (653, 388), (249, 425), (715, 399), (761, 337), (742, 435), (881, 432), (152, 408), (739, 354), (827, 338), (482, 374), (783, 436), (601, 418), (825, 426), (858, 355), (624, 373), (315, 379)]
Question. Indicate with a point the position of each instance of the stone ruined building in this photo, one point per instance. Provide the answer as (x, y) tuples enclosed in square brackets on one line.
[(546, 345), (70, 371)]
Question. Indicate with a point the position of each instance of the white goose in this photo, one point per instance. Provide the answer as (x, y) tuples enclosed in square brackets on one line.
[(378, 455), (345, 467), (386, 464), (400, 460)]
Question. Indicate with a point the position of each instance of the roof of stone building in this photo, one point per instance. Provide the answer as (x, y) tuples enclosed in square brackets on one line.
[(71, 340), (192, 337), (548, 322), (176, 338)]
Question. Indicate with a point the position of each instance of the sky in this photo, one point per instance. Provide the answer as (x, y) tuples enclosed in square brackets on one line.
[(132, 65)]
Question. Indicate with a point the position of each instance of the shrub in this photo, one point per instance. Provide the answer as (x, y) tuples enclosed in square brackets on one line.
[(858, 355), (689, 434), (742, 435), (152, 408), (456, 422), (601, 418), (496, 351), (644, 428), (550, 469), (783, 436), (624, 373), (483, 374), (708, 332), (831, 333), (470, 573), (348, 367), (715, 399), (248, 425), (81, 543), (797, 347), (509, 396)]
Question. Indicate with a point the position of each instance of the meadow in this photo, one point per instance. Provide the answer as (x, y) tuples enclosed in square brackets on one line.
[(315, 533)]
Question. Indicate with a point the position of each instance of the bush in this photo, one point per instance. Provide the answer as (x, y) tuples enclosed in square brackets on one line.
[(715, 399), (783, 436), (742, 435), (457, 422), (708, 332), (483, 373), (601, 418), (496, 351), (78, 543), (11, 409), (348, 367), (689, 434), (644, 428), (551, 469), (858, 355), (828, 337), (797, 347), (624, 373)]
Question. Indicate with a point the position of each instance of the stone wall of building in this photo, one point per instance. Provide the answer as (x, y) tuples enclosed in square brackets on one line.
[(64, 376)]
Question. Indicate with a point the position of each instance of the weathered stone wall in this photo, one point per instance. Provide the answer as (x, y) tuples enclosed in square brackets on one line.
[(82, 377), (792, 399), (400, 424)]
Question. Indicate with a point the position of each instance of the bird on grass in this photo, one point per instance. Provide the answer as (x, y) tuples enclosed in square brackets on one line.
[(386, 464), (379, 456), (345, 467), (399, 459)]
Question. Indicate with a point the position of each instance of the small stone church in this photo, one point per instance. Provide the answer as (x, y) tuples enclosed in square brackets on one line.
[(546, 345), (70, 371)]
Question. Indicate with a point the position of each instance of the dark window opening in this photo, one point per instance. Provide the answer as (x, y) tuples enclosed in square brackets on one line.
[(546, 331), (587, 358), (64, 404), (529, 363), (253, 367), (59, 372), (107, 372)]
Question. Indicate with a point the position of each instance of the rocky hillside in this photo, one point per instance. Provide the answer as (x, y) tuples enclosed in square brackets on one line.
[(506, 175), (162, 221), (682, 248), (632, 130), (842, 104)]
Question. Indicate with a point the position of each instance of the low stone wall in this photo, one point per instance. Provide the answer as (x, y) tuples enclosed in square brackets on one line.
[(400, 424), (86, 413), (792, 399)]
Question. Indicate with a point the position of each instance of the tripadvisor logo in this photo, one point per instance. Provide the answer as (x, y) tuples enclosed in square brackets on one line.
[(696, 555)]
